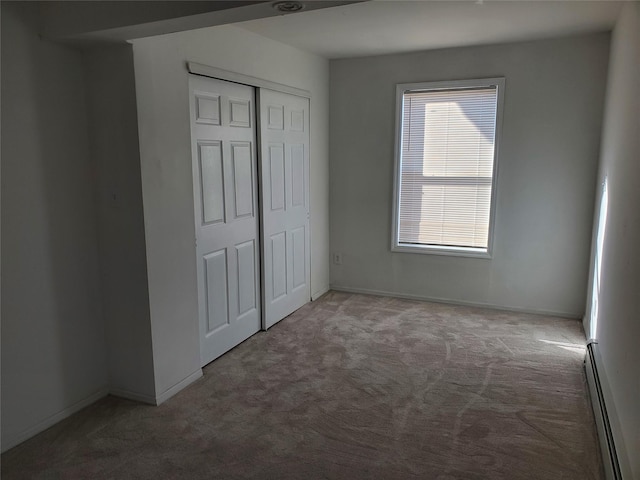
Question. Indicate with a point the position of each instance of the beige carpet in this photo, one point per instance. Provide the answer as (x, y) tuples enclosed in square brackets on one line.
[(352, 387)]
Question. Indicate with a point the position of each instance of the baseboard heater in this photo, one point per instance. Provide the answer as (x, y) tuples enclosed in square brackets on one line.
[(605, 434)]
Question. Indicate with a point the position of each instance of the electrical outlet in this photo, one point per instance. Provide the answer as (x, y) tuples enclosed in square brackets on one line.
[(337, 259)]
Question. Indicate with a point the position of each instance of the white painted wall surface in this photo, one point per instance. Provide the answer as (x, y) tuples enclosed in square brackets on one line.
[(113, 132), (546, 175), (163, 119), (618, 299), (53, 354)]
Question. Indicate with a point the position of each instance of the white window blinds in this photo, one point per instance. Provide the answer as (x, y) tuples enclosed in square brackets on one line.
[(446, 167)]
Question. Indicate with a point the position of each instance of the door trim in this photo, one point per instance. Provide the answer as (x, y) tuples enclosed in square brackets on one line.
[(221, 74)]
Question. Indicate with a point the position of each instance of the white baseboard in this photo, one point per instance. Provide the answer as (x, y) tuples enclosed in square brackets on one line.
[(137, 397), (319, 293), (170, 392), (614, 459), (451, 301), (53, 419)]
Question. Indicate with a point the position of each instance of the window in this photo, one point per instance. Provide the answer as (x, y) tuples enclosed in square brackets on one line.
[(446, 155)]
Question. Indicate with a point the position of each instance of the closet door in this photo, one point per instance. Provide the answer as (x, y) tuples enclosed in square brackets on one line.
[(226, 213), (284, 166)]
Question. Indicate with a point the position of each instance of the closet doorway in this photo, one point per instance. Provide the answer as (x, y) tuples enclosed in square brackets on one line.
[(250, 159)]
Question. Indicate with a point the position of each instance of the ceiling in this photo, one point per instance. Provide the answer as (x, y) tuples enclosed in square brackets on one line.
[(390, 26), (87, 22)]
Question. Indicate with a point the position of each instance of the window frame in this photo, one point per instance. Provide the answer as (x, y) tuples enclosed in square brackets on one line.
[(401, 89)]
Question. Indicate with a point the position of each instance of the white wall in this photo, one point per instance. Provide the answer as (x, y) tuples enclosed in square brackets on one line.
[(618, 301), (53, 355), (113, 120), (546, 175), (163, 119)]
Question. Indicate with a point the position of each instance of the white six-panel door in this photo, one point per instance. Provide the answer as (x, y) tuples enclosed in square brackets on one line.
[(284, 165), (226, 213)]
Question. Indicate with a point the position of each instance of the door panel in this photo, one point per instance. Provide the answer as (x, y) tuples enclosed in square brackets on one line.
[(242, 178), (298, 186), (212, 178), (276, 176), (298, 257), (240, 112), (275, 115), (225, 202), (207, 109), (284, 144), (279, 270), (216, 288), (246, 273)]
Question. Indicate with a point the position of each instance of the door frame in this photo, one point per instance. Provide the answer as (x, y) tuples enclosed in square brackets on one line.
[(200, 69)]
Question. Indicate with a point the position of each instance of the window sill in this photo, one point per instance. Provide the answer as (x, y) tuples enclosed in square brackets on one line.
[(442, 250)]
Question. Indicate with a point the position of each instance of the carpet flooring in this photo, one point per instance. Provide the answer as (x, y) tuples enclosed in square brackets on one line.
[(352, 387)]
